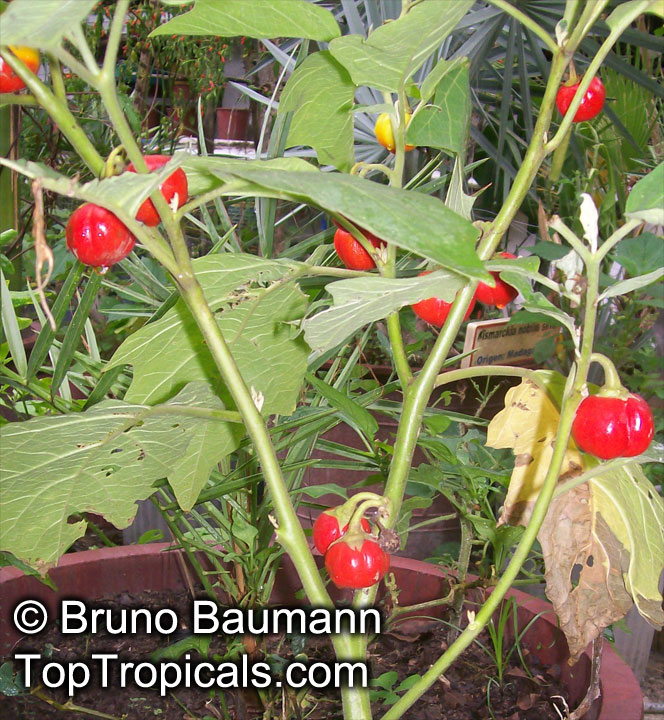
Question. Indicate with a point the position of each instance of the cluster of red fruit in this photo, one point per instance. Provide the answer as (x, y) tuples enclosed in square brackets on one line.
[(433, 310), (354, 560), (98, 238)]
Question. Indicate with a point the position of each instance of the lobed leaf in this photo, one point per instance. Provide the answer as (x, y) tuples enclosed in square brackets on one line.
[(102, 460)]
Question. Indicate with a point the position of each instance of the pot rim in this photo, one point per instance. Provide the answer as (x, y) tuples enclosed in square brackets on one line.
[(621, 697)]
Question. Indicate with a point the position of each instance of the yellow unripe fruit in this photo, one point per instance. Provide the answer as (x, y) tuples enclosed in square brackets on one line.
[(384, 134)]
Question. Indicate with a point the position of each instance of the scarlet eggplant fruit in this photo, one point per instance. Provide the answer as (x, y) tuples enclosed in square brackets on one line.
[(174, 183), (610, 427), (97, 237)]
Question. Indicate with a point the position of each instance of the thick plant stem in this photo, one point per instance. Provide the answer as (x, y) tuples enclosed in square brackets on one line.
[(520, 555), (289, 530)]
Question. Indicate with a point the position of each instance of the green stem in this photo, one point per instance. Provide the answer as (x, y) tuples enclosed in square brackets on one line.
[(398, 350), (114, 37), (558, 159), (612, 380), (593, 10), (616, 237), (520, 555), (528, 22), (59, 113), (464, 561)]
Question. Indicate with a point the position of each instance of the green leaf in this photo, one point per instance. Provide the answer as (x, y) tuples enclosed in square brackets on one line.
[(319, 93), (43, 30), (414, 221), (72, 337), (254, 308), (640, 254), (243, 530), (395, 50), (101, 461), (354, 414), (199, 643), (444, 125), (359, 301), (316, 491), (536, 302), (646, 200), (434, 78), (549, 251), (257, 19), (11, 329), (625, 286), (60, 307), (456, 199), (209, 442)]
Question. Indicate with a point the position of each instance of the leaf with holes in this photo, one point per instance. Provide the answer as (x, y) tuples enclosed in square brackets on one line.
[(603, 547), (255, 308), (102, 460)]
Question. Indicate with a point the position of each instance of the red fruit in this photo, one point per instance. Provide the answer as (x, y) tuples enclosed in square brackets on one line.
[(9, 81), (352, 254), (610, 427), (356, 568), (499, 295), (435, 311), (591, 105), (174, 183), (97, 237), (326, 530)]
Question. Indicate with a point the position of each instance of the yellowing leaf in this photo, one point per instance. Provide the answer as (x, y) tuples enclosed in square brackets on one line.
[(528, 425)]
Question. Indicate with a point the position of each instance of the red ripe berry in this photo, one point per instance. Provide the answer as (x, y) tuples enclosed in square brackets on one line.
[(352, 254), (174, 183), (499, 295), (610, 427), (435, 311), (356, 568), (97, 237), (591, 105), (326, 530)]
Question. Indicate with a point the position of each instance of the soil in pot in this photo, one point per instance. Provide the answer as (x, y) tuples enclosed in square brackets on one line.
[(460, 695)]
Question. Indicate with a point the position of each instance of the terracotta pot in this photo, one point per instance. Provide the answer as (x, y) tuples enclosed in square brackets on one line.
[(232, 124), (96, 573)]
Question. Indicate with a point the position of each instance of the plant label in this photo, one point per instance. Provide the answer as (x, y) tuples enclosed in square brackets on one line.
[(495, 342)]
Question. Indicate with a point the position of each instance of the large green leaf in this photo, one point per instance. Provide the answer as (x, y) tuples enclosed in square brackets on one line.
[(413, 221), (395, 50), (255, 309), (102, 461), (646, 201), (319, 93), (41, 26), (257, 19), (444, 124), (364, 300)]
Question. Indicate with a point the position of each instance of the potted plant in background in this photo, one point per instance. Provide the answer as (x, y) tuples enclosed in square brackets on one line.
[(205, 420)]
